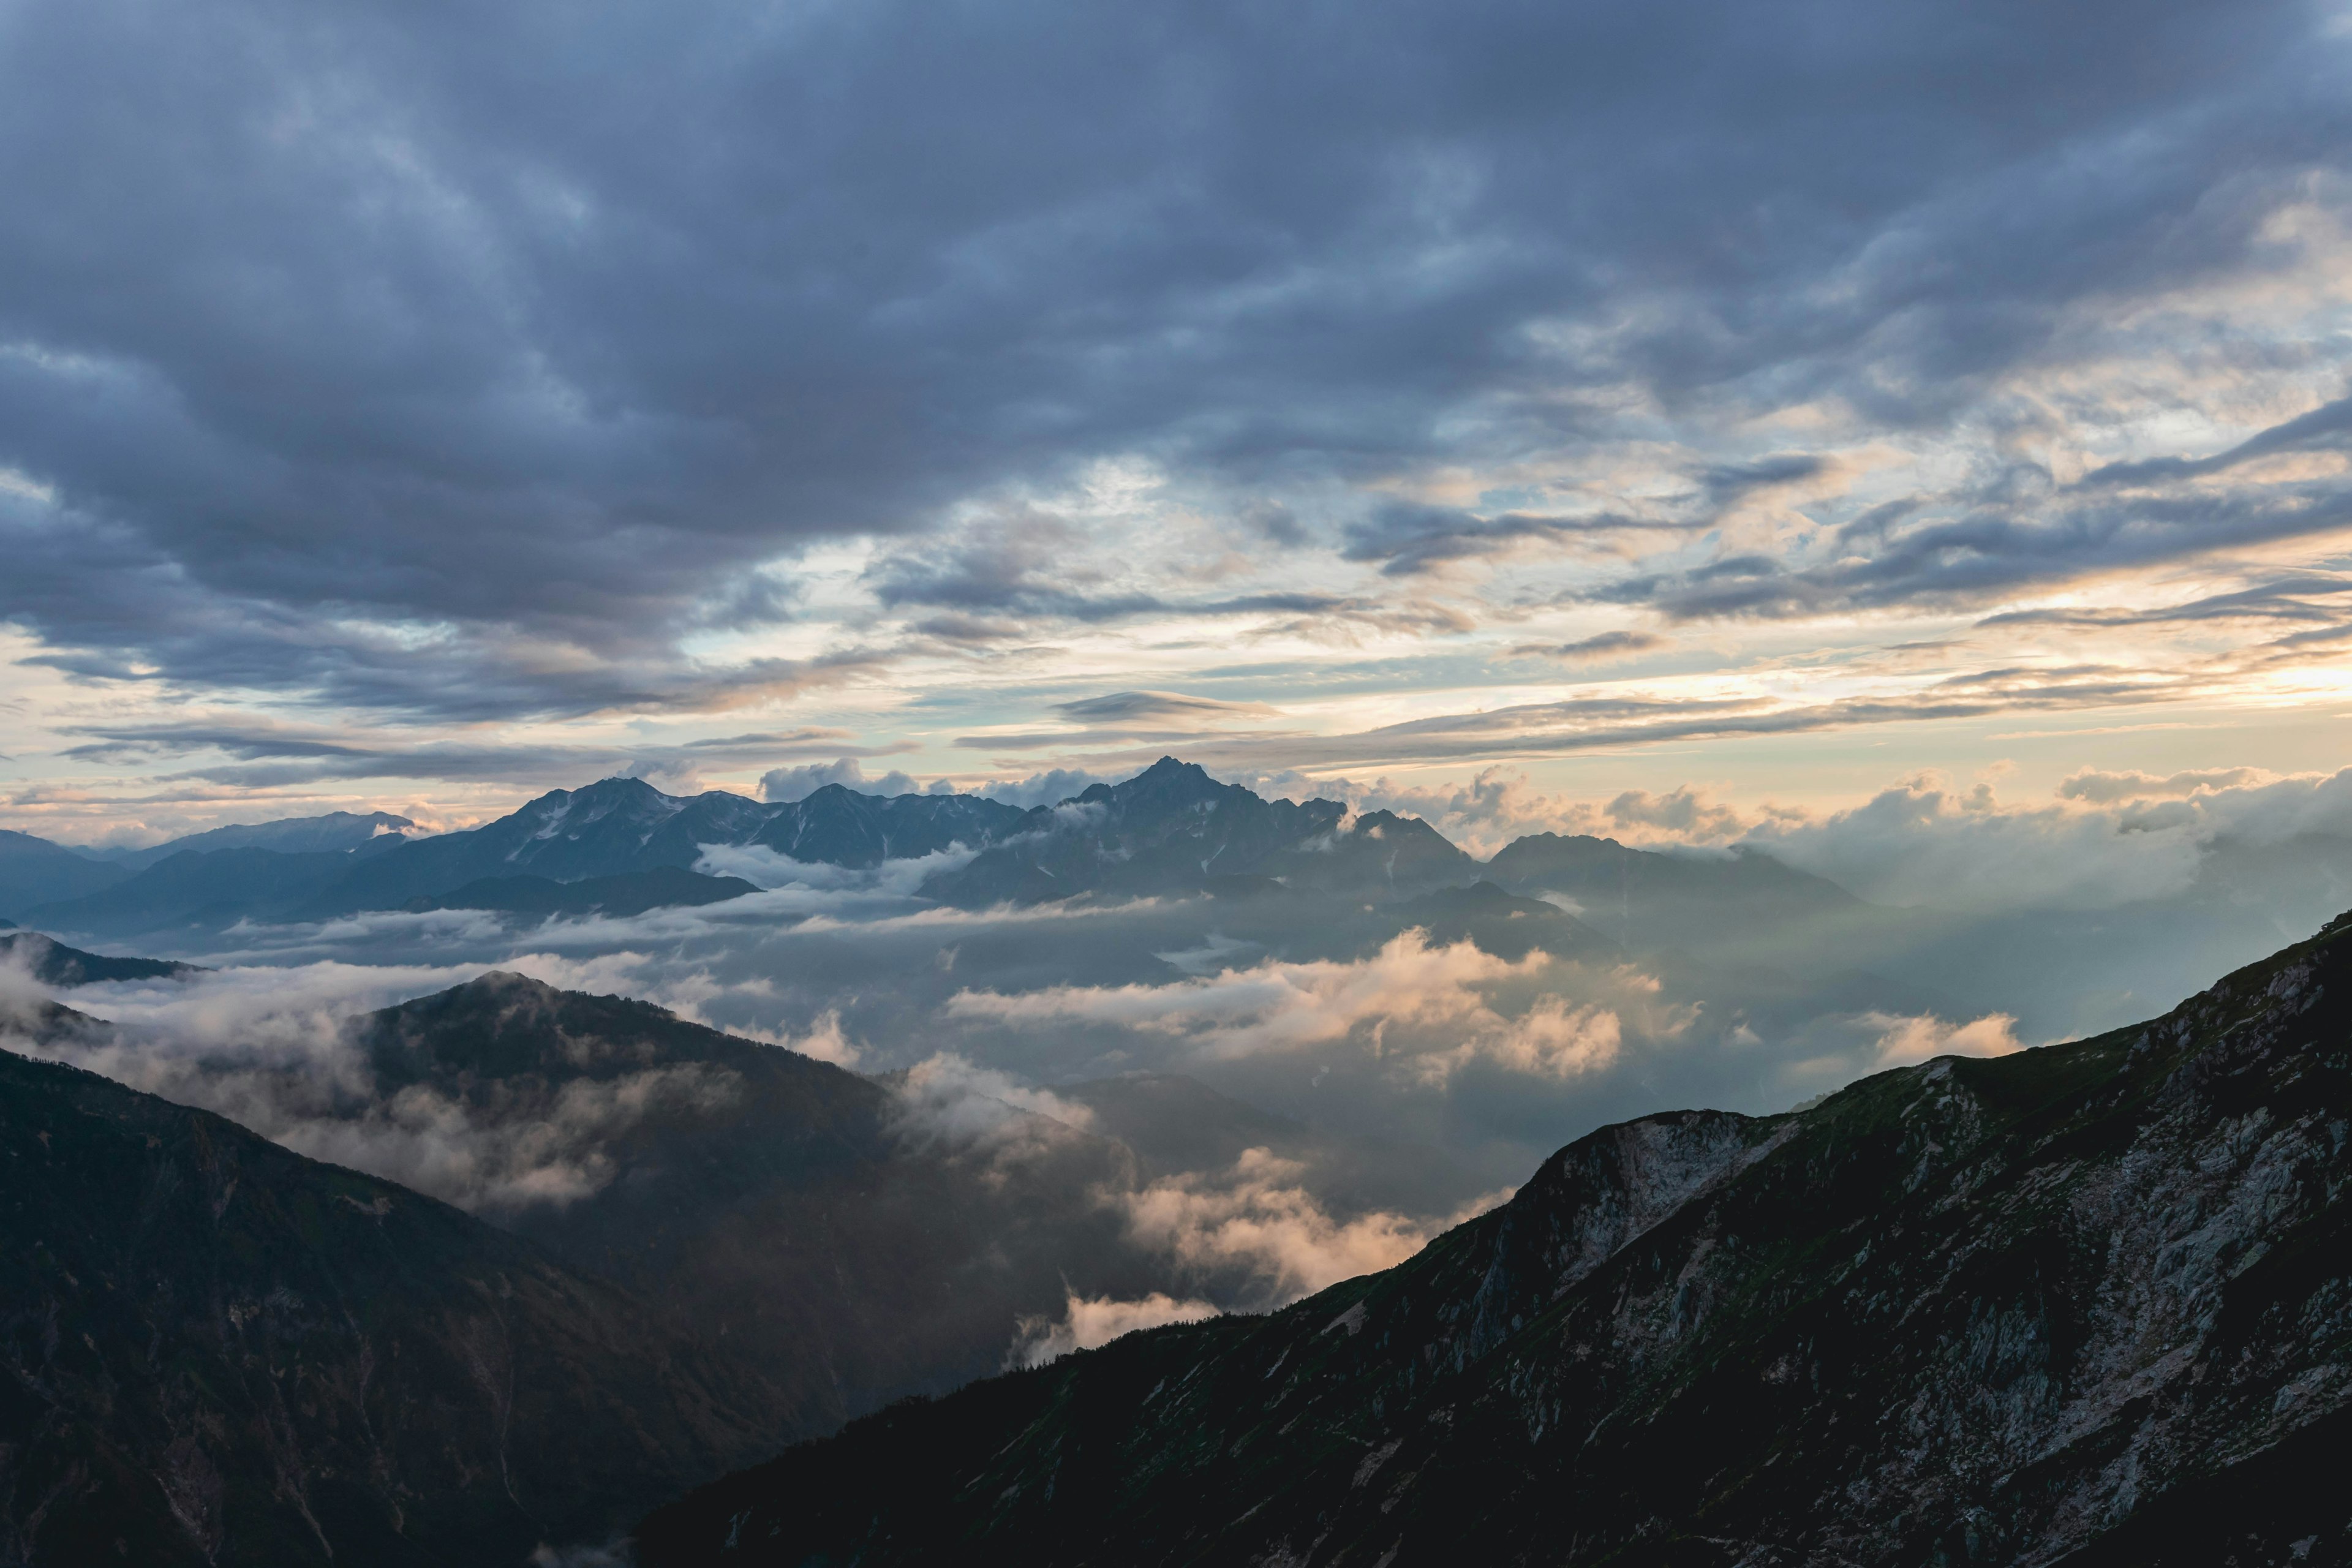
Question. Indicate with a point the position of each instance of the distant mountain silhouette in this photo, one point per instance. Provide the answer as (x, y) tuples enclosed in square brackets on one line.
[(1174, 829), (622, 826), (199, 891), (34, 871), (1647, 900), (1170, 831), (335, 830), (52, 963)]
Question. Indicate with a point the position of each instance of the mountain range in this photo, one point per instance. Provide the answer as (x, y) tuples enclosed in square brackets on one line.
[(2090, 1303), (1169, 830), (1270, 878)]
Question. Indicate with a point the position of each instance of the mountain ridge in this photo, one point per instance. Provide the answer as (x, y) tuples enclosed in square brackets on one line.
[(214, 1351), (1981, 1309)]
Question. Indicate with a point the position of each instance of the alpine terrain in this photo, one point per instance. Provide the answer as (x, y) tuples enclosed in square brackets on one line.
[(2090, 1303)]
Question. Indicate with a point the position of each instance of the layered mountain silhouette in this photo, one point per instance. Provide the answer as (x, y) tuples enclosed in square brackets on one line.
[(34, 871), (2089, 1303), (335, 830), (621, 846), (1173, 829), (623, 826), (200, 891), (52, 963), (1645, 899), (218, 1352)]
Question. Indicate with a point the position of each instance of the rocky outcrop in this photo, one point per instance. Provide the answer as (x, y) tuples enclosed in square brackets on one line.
[(2091, 1303)]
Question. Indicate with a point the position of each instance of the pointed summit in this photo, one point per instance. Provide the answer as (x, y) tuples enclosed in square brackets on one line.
[(1174, 829)]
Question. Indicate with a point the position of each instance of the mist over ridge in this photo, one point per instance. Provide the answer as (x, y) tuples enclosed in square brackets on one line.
[(1321, 785)]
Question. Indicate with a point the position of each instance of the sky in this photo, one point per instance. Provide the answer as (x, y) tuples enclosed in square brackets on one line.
[(1690, 421)]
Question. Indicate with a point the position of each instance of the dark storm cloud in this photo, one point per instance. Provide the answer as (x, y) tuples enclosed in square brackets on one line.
[(457, 359)]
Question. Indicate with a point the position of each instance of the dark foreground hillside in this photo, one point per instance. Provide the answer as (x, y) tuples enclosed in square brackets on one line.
[(216, 1352), (2088, 1304)]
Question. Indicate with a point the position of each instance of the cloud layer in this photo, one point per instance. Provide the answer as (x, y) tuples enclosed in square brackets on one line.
[(1014, 391)]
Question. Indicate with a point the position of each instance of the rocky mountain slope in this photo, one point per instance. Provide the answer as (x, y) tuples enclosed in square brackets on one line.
[(214, 1352), (2090, 1303)]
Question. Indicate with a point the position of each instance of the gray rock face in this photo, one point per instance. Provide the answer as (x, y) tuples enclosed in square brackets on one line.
[(2091, 1302)]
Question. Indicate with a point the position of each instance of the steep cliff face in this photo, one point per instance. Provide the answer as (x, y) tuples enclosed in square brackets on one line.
[(2089, 1302), (216, 1352)]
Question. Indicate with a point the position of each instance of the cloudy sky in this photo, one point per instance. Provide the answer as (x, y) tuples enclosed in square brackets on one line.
[(1705, 407)]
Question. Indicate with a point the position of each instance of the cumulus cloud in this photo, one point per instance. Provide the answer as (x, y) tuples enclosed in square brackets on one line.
[(1683, 813), (1500, 804), (1905, 1042), (781, 786), (274, 1051), (2100, 788), (1258, 1218), (1048, 788), (1552, 1039), (2113, 839), (1431, 1011), (2108, 838), (820, 883), (1088, 1322), (951, 1101)]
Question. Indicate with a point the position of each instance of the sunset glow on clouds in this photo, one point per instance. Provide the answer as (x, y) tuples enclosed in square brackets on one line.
[(1771, 409)]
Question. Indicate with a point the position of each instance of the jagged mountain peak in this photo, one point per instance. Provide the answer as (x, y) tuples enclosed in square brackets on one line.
[(1166, 784)]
